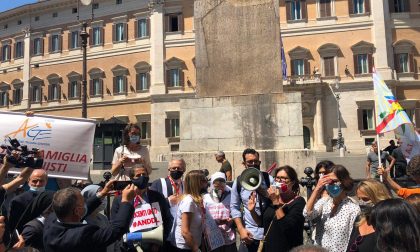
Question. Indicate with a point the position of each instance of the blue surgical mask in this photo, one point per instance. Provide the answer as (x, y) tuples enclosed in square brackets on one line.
[(37, 189), (134, 139), (334, 190)]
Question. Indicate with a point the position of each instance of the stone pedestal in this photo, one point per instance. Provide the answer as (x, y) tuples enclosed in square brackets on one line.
[(268, 122)]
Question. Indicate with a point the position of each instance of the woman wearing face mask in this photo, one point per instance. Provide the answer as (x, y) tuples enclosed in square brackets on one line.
[(217, 203), (283, 219), (145, 201), (334, 216), (188, 226), (369, 193), (96, 217), (130, 153)]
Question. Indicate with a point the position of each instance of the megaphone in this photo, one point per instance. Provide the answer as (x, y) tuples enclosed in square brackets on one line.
[(153, 236), (251, 179)]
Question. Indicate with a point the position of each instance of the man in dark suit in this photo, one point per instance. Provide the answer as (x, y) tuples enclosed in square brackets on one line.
[(171, 187), (18, 204), (64, 232), (146, 199)]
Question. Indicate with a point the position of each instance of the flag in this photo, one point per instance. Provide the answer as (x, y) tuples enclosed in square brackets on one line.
[(283, 60), (390, 115)]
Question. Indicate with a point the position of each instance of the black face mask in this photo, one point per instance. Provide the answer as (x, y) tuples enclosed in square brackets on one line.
[(254, 166), (176, 174), (141, 182)]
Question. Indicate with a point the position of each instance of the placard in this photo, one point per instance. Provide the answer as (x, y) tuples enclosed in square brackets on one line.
[(146, 216)]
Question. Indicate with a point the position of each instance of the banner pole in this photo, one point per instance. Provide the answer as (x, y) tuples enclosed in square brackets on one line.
[(377, 134)]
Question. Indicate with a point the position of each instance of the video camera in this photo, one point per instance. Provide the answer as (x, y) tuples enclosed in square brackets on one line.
[(23, 157)]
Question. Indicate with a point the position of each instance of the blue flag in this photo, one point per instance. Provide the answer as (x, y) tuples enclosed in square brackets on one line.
[(283, 60)]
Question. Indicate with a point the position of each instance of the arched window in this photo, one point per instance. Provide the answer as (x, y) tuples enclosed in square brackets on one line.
[(54, 87), (404, 56), (363, 57), (96, 83), (299, 61), (142, 76), (120, 80), (175, 73)]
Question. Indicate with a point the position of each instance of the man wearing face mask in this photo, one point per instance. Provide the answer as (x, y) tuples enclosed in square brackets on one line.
[(144, 201), (251, 232), (36, 182), (217, 202), (130, 154), (65, 232), (171, 187)]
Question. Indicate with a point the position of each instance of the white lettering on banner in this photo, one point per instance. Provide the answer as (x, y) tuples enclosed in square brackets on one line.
[(65, 143), (146, 216)]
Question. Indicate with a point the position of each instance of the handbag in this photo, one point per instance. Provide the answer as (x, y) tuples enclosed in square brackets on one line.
[(261, 244)]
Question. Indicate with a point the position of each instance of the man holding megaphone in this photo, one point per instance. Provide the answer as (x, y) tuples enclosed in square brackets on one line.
[(251, 180), (151, 211)]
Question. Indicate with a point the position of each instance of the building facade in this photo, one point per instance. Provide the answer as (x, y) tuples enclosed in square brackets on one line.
[(141, 63)]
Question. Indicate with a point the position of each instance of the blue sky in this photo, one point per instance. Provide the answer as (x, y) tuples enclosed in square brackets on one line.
[(10, 4)]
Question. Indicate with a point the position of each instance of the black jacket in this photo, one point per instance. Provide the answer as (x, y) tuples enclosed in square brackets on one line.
[(17, 206), (153, 197), (80, 237), (157, 187)]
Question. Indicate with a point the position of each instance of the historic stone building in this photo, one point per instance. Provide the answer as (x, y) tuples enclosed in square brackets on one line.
[(141, 63)]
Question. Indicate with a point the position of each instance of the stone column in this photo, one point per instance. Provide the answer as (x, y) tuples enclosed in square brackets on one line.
[(319, 143), (382, 39), (157, 50), (26, 103)]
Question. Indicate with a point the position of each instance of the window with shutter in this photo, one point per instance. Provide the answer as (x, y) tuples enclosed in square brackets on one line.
[(142, 28), (399, 6), (329, 66), (324, 8), (4, 100), (358, 6)]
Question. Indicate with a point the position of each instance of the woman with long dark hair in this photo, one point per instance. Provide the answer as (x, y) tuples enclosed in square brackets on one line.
[(397, 225), (130, 153), (334, 216), (283, 219)]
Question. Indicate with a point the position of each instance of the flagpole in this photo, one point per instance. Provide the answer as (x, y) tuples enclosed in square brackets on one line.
[(377, 135)]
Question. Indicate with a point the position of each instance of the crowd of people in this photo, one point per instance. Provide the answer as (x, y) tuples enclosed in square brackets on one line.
[(197, 212)]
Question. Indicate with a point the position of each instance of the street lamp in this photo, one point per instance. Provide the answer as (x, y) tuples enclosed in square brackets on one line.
[(340, 140), (84, 36)]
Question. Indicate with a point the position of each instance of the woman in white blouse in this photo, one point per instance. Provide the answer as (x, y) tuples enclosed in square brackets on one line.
[(333, 216)]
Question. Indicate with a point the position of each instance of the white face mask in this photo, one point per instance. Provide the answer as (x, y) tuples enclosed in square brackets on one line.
[(37, 189)]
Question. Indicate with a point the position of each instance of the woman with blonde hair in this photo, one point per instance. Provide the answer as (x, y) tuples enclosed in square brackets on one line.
[(369, 193), (190, 214)]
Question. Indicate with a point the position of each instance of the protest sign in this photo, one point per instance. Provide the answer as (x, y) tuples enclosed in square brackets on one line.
[(146, 216), (214, 236), (65, 143)]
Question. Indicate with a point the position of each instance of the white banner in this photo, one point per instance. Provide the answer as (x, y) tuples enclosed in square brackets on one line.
[(146, 216), (66, 142)]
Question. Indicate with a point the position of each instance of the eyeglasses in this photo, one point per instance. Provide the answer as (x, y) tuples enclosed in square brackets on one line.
[(253, 162), (283, 178), (355, 246)]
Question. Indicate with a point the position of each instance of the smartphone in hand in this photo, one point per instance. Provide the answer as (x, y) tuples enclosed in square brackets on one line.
[(121, 185)]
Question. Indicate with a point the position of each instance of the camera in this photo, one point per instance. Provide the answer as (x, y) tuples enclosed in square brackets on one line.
[(25, 157), (121, 185)]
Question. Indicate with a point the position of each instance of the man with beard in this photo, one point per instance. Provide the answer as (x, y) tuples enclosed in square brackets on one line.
[(250, 232)]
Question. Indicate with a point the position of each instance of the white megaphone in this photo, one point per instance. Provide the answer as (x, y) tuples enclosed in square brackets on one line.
[(153, 236), (251, 179)]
